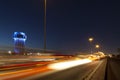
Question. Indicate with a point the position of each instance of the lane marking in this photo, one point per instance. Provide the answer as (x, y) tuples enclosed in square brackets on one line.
[(92, 73)]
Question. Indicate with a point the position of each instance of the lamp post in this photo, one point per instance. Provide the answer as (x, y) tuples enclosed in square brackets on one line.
[(91, 40), (45, 25)]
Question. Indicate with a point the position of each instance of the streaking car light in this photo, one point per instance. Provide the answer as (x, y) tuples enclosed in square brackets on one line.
[(68, 64)]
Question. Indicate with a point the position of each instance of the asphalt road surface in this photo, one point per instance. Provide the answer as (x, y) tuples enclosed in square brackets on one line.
[(90, 71), (105, 69)]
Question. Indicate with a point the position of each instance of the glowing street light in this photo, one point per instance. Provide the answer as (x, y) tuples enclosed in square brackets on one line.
[(91, 40), (97, 46)]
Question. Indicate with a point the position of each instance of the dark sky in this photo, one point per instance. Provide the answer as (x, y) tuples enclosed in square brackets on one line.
[(69, 23)]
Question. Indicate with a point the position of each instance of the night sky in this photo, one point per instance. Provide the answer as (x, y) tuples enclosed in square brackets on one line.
[(69, 23)]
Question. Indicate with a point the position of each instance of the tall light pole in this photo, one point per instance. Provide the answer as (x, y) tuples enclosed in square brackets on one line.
[(91, 40), (45, 25)]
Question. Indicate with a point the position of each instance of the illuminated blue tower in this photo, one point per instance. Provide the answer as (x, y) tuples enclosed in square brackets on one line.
[(19, 42)]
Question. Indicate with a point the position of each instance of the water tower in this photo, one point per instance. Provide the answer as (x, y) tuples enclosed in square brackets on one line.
[(19, 42)]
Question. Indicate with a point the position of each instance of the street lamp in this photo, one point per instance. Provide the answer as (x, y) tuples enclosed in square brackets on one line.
[(45, 25), (91, 40), (97, 47)]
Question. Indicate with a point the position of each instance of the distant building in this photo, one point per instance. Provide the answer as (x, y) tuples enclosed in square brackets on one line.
[(19, 42)]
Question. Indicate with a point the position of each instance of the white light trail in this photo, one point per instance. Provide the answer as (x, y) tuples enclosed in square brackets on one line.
[(68, 64)]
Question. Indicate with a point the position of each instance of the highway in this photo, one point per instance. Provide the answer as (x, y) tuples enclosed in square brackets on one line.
[(72, 68), (94, 71), (79, 72), (81, 67)]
